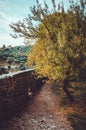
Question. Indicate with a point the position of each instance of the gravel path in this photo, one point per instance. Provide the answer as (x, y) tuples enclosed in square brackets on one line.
[(42, 113)]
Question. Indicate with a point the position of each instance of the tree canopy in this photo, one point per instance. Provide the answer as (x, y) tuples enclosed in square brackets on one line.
[(60, 39)]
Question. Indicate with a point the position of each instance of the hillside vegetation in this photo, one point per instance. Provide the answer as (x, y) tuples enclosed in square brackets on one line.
[(13, 58)]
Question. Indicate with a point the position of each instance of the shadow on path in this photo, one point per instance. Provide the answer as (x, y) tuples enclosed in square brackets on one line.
[(41, 113)]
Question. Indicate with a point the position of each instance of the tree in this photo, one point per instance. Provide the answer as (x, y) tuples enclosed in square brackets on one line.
[(4, 46), (10, 60), (60, 40)]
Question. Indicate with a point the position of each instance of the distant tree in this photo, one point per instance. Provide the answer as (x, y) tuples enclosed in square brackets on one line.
[(10, 60), (22, 66), (3, 71), (60, 48), (4, 46)]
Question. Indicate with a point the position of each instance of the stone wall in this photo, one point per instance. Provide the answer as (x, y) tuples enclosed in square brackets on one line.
[(14, 91)]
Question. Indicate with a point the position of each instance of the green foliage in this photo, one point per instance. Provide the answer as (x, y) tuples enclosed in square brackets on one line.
[(14, 55), (22, 66), (60, 48), (3, 70), (10, 60), (20, 58)]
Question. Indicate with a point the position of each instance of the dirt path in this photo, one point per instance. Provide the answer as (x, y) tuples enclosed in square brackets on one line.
[(42, 113)]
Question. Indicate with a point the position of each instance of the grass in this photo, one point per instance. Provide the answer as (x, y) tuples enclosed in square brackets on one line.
[(78, 121), (75, 111)]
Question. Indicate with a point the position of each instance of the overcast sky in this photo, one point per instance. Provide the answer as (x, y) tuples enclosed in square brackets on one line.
[(13, 11)]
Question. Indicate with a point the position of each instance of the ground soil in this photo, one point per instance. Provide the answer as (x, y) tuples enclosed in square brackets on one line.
[(42, 113)]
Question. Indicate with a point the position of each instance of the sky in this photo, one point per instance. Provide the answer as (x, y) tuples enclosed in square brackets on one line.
[(13, 11)]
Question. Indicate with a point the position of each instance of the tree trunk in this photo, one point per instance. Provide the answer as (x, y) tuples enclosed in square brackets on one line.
[(65, 88)]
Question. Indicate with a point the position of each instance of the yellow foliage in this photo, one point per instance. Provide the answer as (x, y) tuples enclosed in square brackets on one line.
[(57, 51)]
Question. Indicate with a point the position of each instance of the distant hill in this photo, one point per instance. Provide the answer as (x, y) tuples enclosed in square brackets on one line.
[(14, 56)]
